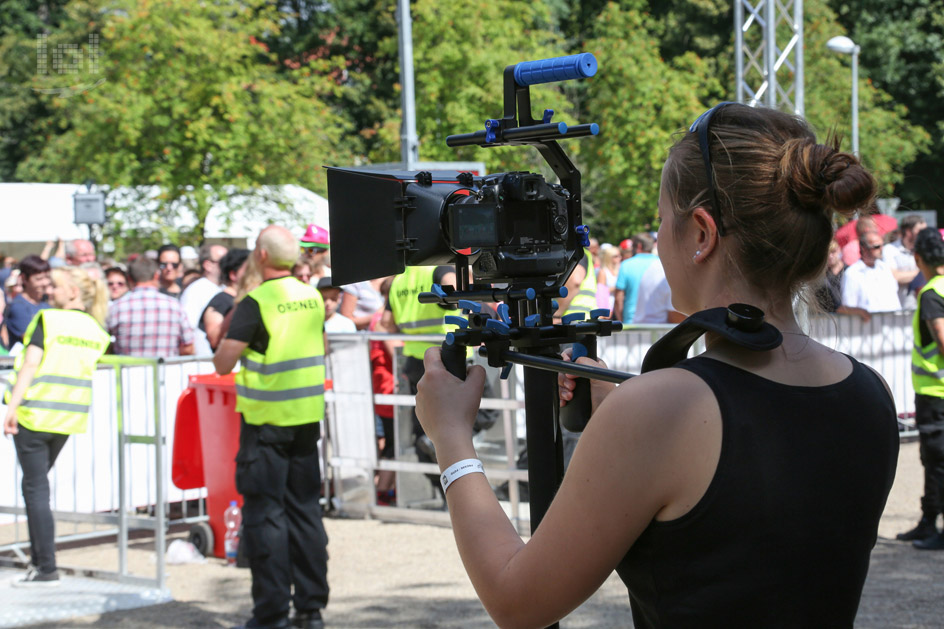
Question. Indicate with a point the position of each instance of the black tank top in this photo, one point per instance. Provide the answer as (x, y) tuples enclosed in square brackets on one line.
[(783, 534)]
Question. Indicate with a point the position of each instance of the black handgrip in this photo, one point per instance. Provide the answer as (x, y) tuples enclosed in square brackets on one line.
[(453, 357), (576, 414)]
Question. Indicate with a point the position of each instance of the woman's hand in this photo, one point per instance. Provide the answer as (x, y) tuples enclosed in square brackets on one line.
[(10, 425), (566, 382), (445, 405)]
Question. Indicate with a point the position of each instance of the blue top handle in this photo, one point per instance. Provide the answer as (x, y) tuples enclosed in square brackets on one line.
[(581, 66)]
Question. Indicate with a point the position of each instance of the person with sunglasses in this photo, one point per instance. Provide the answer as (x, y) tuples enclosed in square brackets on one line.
[(168, 261), (869, 284), (738, 488), (117, 280)]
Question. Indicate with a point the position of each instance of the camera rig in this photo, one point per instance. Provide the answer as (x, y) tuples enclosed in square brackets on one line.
[(514, 239)]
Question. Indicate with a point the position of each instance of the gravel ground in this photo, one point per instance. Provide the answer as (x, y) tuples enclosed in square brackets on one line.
[(408, 575)]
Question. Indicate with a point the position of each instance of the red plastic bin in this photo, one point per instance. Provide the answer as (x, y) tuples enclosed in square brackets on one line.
[(206, 439)]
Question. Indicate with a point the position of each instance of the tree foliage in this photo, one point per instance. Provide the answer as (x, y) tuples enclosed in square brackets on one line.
[(640, 100), (903, 53), (191, 102), (205, 101), (888, 142)]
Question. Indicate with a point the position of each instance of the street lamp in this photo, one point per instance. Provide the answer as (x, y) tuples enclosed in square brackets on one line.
[(846, 46)]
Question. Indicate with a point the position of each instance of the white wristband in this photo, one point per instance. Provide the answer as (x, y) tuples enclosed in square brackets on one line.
[(458, 470)]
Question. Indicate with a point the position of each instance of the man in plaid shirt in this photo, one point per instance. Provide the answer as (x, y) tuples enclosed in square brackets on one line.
[(146, 323)]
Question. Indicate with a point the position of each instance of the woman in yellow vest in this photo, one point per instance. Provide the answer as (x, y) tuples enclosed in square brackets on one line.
[(51, 400)]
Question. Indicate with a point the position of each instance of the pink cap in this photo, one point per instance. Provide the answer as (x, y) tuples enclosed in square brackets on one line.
[(315, 237)]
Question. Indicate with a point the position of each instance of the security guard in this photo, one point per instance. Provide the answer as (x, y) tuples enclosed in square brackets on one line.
[(278, 332), (581, 288), (50, 401), (927, 375), (404, 313)]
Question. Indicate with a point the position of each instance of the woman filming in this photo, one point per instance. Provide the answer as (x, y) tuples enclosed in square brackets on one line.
[(738, 488), (51, 400)]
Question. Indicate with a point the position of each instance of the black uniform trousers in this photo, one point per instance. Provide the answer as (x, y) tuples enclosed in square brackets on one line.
[(37, 452), (278, 475), (929, 417)]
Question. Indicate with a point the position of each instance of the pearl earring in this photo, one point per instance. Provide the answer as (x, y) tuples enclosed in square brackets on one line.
[(697, 253)]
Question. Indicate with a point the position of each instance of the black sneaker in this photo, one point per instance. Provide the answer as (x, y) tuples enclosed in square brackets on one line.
[(924, 530), (935, 542), (252, 623), (308, 620), (36, 579)]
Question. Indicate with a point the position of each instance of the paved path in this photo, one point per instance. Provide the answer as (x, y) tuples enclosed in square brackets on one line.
[(406, 575)]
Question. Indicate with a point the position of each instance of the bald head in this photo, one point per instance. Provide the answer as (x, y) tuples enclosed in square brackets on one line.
[(277, 248)]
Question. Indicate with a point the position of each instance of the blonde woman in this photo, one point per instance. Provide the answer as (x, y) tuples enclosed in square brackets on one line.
[(610, 259), (51, 399)]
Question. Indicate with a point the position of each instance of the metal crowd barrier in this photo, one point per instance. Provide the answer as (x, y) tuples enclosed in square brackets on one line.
[(116, 477), (884, 343)]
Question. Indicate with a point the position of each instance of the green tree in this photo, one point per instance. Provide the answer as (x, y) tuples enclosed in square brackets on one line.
[(22, 22), (640, 100), (191, 111), (361, 36), (888, 141), (903, 53), (460, 52)]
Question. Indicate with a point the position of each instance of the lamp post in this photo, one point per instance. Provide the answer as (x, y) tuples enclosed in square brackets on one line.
[(846, 46)]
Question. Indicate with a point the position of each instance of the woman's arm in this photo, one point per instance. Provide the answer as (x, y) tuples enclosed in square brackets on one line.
[(348, 305), (24, 378), (213, 324), (649, 451)]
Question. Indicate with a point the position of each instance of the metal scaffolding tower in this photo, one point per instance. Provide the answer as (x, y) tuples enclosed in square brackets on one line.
[(765, 71)]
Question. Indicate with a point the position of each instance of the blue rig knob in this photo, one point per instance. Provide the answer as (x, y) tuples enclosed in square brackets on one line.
[(583, 235), (574, 316), (503, 315), (532, 321), (461, 322), (438, 290), (577, 351), (599, 312), (492, 128), (498, 326), (470, 306)]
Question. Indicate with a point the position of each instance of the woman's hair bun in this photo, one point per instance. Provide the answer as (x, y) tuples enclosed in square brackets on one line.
[(821, 178)]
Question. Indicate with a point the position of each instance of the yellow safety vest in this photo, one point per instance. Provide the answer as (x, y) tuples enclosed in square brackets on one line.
[(59, 397), (411, 316), (285, 385), (927, 364), (586, 298)]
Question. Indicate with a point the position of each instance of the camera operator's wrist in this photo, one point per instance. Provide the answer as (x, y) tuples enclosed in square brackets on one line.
[(454, 450)]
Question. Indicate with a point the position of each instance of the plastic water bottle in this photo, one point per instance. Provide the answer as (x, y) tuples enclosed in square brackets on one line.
[(233, 518)]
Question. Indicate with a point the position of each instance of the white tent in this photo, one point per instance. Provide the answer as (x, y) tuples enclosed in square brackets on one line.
[(37, 212)]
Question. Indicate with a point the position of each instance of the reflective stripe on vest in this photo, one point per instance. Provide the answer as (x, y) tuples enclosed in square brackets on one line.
[(586, 298), (285, 385), (413, 317), (59, 397), (927, 363)]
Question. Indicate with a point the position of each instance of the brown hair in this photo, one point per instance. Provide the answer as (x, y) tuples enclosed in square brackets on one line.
[(777, 189)]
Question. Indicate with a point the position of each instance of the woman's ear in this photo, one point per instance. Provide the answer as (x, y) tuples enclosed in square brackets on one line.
[(705, 234)]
